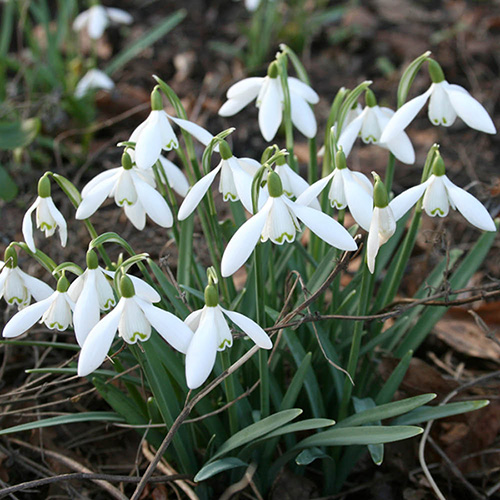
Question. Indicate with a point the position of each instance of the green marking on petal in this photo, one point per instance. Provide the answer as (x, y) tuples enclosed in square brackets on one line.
[(437, 211), (224, 343), (444, 120), (230, 197), (109, 303), (285, 236), (138, 336), (46, 227)]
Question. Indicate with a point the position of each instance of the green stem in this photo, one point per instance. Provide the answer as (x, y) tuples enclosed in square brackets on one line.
[(389, 173), (356, 342), (260, 302), (287, 111), (230, 392)]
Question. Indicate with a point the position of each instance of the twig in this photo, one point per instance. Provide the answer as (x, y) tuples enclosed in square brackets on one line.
[(241, 484), (73, 464)]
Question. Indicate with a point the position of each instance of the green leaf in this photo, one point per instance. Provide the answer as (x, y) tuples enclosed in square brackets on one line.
[(296, 384), (8, 188), (69, 189), (309, 455), (349, 102), (68, 266), (213, 468), (304, 425), (54, 345), (152, 35), (408, 76), (426, 413), (348, 436), (257, 430), (391, 385), (111, 238), (376, 450), (18, 134), (91, 416), (386, 411)]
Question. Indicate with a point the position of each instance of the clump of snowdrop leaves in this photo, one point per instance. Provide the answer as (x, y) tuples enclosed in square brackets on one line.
[(383, 223), (16, 286), (133, 189), (133, 317), (212, 334), (48, 217), (268, 93), (446, 102), (156, 134), (235, 182), (347, 189), (55, 312), (439, 193), (96, 19), (94, 79), (369, 125), (278, 221)]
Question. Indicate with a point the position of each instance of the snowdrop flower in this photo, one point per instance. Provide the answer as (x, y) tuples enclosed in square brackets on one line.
[(17, 287), (133, 317), (96, 19), (48, 217), (369, 124), (133, 189), (269, 94), (277, 221), (92, 80), (447, 101), (383, 223), (54, 311), (439, 193), (212, 334), (156, 133), (347, 189), (92, 293), (236, 176)]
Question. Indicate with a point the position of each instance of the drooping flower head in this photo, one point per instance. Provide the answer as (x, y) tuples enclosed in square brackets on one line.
[(268, 93), (96, 19), (48, 217), (278, 221), (383, 223), (439, 194), (156, 134), (446, 102), (92, 80), (212, 334), (133, 317), (369, 125), (347, 189), (133, 189), (55, 312), (235, 182), (16, 286)]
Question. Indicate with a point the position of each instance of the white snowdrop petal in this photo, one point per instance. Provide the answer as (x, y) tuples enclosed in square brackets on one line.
[(60, 221), (149, 142), (27, 227), (153, 203), (175, 177), (300, 88), (133, 325), (441, 111), (250, 327), (303, 116), (270, 110), (404, 115), (324, 227), (98, 21), (193, 319), (224, 337), (405, 201), (136, 215), (359, 201), (243, 242), (469, 206), (402, 148), (81, 20), (98, 180), (233, 106), (281, 225), (199, 133), (196, 193), (373, 241), (75, 289), (171, 328), (119, 16), (242, 182), (98, 341), (470, 110), (26, 318), (350, 133), (37, 288), (87, 311), (314, 190), (247, 88), (202, 350), (371, 130), (95, 197), (363, 181)]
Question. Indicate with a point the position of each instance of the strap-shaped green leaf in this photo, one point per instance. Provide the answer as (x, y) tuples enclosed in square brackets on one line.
[(18, 134), (408, 76), (213, 468)]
